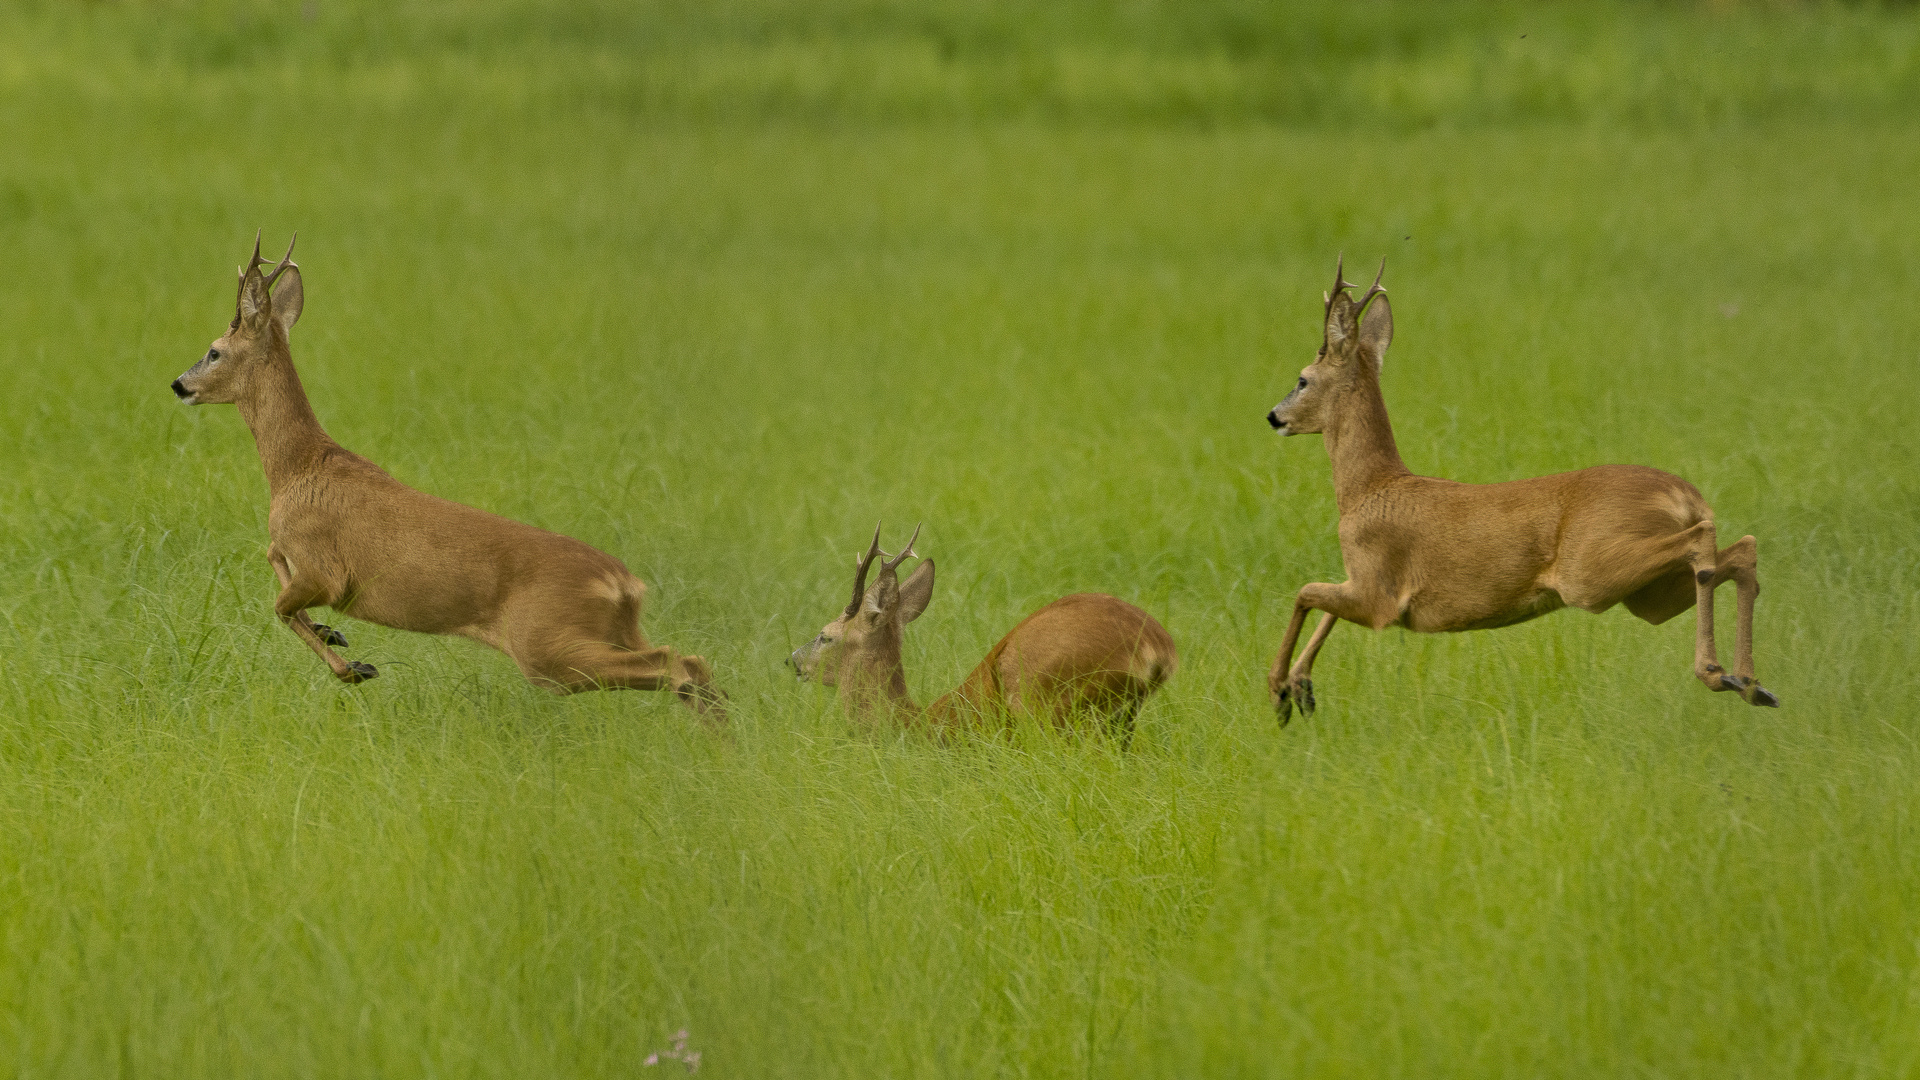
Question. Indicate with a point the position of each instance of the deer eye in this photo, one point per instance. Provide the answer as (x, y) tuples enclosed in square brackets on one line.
[(213, 356), (1303, 383)]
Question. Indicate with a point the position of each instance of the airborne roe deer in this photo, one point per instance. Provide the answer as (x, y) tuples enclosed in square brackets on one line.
[(1088, 654), (343, 534), (1437, 555)]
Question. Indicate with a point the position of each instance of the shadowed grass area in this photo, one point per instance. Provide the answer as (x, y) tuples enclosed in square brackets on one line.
[(715, 287)]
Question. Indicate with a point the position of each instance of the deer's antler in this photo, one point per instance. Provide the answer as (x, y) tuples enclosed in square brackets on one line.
[(285, 260), (1374, 289), (1340, 282), (244, 271), (860, 565), (1340, 273), (906, 553), (256, 260)]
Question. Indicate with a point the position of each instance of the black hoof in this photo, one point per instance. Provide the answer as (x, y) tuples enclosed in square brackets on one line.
[(330, 636), (1763, 696), (1287, 700), (1734, 683), (358, 672)]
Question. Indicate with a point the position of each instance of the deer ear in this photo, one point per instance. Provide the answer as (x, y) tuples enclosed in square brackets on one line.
[(1339, 321), (288, 296), (254, 301), (881, 596), (1376, 330), (916, 591)]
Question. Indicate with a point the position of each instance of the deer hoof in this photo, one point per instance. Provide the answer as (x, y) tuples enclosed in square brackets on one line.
[(1291, 694), (330, 636), (1760, 695), (705, 699), (1734, 683), (358, 672)]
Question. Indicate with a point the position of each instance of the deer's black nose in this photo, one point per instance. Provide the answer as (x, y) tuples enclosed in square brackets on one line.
[(181, 391), (1273, 416)]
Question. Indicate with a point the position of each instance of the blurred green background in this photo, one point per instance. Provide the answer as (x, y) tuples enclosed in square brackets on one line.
[(716, 286)]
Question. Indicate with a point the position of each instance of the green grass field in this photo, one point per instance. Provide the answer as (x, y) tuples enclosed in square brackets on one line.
[(716, 287)]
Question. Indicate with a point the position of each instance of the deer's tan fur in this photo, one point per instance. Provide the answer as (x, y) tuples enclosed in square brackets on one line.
[(1437, 555), (343, 534), (1085, 655)]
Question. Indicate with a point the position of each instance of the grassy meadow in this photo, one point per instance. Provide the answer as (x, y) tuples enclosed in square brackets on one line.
[(714, 287)]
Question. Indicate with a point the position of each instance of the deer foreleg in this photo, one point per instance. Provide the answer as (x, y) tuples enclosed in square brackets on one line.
[(281, 570), (1282, 661), (291, 606), (1290, 683)]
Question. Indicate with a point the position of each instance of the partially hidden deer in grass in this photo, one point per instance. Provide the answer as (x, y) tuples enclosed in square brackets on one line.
[(344, 534), (1438, 555), (1088, 655)]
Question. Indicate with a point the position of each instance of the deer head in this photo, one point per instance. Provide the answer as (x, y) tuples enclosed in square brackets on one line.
[(264, 312), (1352, 351), (862, 645)]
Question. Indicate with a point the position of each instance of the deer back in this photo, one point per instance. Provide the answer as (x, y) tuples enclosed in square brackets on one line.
[(1084, 653)]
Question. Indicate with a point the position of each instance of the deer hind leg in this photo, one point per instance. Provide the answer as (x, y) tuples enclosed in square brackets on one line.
[(1741, 563), (600, 666), (1703, 559), (1123, 718), (291, 606)]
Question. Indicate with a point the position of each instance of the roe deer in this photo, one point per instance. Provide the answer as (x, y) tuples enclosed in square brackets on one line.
[(343, 534), (1088, 653), (1436, 555)]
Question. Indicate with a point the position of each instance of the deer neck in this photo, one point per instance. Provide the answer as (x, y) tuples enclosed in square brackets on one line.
[(285, 431), (879, 690), (1360, 442)]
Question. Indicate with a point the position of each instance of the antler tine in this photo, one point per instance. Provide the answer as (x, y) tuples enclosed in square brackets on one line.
[(285, 261), (241, 286), (1340, 282), (1374, 289), (905, 552), (860, 566)]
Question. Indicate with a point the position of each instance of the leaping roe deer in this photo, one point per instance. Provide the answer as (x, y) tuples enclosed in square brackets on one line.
[(1436, 555), (343, 534), (1085, 655)]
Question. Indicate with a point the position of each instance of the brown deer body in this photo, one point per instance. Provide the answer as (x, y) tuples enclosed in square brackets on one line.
[(1437, 555), (1088, 654), (344, 534)]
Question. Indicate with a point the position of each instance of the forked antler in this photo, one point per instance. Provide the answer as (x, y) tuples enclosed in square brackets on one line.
[(254, 264), (1373, 290), (287, 260), (860, 565), (906, 553), (1340, 282), (239, 290)]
